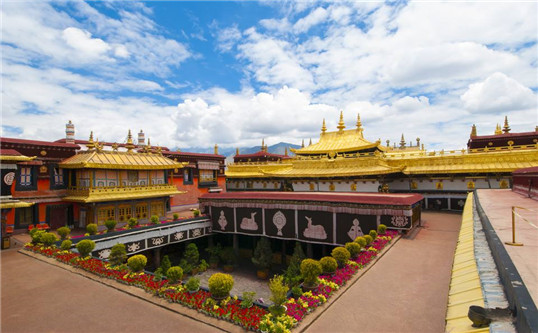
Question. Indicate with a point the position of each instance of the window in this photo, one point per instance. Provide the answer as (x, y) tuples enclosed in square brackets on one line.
[(106, 213), (141, 210), (187, 176), (26, 179), (124, 213), (26, 176), (207, 176), (57, 177), (157, 208), (132, 176), (24, 217)]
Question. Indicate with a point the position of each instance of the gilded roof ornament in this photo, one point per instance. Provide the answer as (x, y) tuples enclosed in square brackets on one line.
[(285, 151), (324, 128), (506, 128), (216, 149), (341, 124), (359, 124), (90, 143), (498, 130), (236, 151), (402, 142), (130, 146), (263, 145), (473, 130), (302, 144), (310, 143)]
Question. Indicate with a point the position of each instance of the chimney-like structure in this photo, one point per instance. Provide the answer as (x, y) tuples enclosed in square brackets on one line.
[(69, 132), (141, 138)]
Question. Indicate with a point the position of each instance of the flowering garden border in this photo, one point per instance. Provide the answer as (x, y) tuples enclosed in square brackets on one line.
[(255, 318)]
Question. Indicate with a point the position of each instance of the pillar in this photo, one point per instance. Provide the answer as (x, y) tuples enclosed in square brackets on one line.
[(324, 250), (236, 245), (157, 257), (283, 261), (309, 251)]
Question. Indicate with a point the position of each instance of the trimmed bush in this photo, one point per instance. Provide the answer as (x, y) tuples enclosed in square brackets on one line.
[(132, 222), (165, 264), (154, 219), (228, 256), (48, 238), (214, 254), (310, 269), (353, 248), (292, 276), (191, 254), (110, 225), (341, 255), (85, 247), (368, 239), (137, 262), (381, 229), (248, 299), (174, 274), (193, 284), (203, 266), (66, 245), (328, 264), (91, 228), (263, 256), (361, 241), (278, 290), (176, 216), (196, 212), (373, 234), (118, 254), (220, 284), (63, 232), (36, 236)]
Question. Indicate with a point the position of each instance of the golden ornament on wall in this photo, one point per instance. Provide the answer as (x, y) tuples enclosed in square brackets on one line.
[(439, 185), (414, 185), (43, 153), (470, 185), (43, 169), (331, 187), (353, 187), (503, 184), (312, 187)]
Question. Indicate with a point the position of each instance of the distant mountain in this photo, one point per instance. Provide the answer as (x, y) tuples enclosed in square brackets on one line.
[(278, 148)]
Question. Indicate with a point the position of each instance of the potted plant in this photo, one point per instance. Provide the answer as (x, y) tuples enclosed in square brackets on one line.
[(373, 234), (85, 247), (279, 291), (361, 241), (248, 299), (263, 258), (63, 232), (110, 225), (292, 275), (214, 254), (176, 216), (132, 222), (193, 285), (354, 249), (118, 254), (341, 255), (174, 274), (91, 229), (137, 263), (191, 256), (220, 285), (381, 229), (368, 239), (328, 265), (228, 258), (310, 270), (154, 219)]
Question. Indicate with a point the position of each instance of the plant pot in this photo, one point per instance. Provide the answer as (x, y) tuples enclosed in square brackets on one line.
[(213, 265), (262, 274), (193, 291), (329, 273), (309, 288), (219, 298), (228, 268)]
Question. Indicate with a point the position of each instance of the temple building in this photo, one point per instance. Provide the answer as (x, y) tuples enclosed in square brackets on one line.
[(344, 161)]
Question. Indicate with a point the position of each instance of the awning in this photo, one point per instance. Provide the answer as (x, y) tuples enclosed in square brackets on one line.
[(208, 165), (15, 204)]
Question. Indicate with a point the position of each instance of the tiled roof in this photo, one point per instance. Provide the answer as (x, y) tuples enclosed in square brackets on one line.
[(339, 142), (186, 154), (38, 143), (94, 159)]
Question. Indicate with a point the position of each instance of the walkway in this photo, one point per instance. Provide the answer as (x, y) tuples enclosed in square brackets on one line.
[(38, 297), (405, 291)]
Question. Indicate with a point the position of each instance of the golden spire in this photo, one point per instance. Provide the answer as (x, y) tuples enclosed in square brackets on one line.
[(388, 143), (341, 124), (130, 146), (359, 124), (402, 142), (286, 151), (323, 127), (310, 143), (115, 146), (216, 149), (473, 130), (263, 144), (302, 144), (498, 130), (90, 143), (236, 151), (506, 128)]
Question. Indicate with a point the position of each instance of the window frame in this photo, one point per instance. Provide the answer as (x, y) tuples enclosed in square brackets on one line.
[(32, 186)]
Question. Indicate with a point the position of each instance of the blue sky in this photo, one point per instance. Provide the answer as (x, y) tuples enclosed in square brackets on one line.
[(192, 74)]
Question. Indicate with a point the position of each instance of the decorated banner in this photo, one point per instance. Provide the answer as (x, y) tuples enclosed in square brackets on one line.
[(315, 226), (280, 223), (249, 220), (351, 226), (222, 219)]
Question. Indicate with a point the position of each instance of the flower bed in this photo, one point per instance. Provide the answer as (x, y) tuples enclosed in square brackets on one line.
[(255, 318)]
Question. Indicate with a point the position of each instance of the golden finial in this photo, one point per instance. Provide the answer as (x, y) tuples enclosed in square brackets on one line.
[(286, 150), (302, 144), (418, 142), (236, 151), (216, 149), (498, 130), (506, 128), (159, 150), (130, 146), (310, 143), (359, 124), (473, 130), (388, 143), (90, 143), (324, 128), (115, 147), (263, 145), (341, 124), (402, 142), (178, 150)]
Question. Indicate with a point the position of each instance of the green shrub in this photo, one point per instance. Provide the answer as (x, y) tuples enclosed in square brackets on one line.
[(292, 276), (118, 254), (174, 274), (63, 232), (193, 284), (158, 275), (191, 255), (341, 255), (176, 216), (263, 256), (220, 284), (154, 219), (248, 299), (110, 225), (353, 248), (373, 234), (368, 239), (137, 262), (91, 228), (196, 212), (214, 253), (132, 222), (165, 264), (328, 264), (85, 247), (66, 245), (296, 291), (36, 236), (310, 269), (278, 290), (381, 229), (228, 256), (48, 238), (203, 265), (361, 241), (185, 266)]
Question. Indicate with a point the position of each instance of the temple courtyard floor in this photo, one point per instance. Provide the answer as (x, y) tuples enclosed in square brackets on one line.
[(406, 290)]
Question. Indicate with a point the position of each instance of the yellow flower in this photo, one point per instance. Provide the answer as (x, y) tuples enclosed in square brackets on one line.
[(215, 307)]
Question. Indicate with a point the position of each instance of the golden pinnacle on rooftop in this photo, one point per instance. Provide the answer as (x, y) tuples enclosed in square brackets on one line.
[(498, 130), (130, 146), (302, 144), (473, 130), (402, 142), (341, 124), (506, 127), (310, 143), (90, 143), (216, 149), (324, 128), (236, 151), (359, 124)]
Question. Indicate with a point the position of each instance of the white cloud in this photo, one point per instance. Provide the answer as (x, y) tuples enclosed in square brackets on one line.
[(498, 93), (227, 38), (313, 18), (82, 41)]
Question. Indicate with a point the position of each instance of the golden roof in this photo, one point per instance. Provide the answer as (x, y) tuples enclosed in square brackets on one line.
[(339, 142), (19, 158), (89, 195), (15, 204), (100, 159)]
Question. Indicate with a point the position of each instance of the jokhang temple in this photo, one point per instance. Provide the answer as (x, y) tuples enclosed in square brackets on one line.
[(344, 161)]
